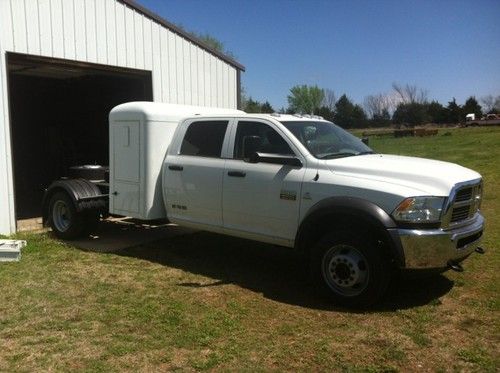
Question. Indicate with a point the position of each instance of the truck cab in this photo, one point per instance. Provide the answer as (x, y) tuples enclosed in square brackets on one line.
[(296, 181)]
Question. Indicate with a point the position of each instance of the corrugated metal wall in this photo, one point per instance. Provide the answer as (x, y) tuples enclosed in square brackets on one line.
[(111, 33)]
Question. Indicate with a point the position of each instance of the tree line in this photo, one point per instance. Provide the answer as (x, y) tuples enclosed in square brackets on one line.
[(404, 105)]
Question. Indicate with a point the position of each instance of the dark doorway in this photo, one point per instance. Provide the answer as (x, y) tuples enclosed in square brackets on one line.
[(59, 118)]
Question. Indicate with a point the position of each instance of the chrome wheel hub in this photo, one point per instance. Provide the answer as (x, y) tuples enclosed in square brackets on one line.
[(345, 270)]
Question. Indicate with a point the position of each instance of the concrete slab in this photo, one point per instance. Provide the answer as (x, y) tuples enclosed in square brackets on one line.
[(117, 234)]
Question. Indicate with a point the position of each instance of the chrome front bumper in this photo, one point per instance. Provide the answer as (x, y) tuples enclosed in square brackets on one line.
[(434, 248)]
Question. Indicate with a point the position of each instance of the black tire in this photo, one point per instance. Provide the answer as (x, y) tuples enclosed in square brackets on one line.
[(350, 268), (65, 221)]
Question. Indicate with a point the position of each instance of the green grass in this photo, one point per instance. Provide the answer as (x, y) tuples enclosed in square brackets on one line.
[(202, 301)]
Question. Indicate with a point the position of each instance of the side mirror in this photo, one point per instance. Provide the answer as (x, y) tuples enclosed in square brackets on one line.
[(251, 145), (365, 140)]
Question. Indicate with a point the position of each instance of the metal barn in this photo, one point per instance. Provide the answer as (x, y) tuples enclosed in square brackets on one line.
[(65, 63)]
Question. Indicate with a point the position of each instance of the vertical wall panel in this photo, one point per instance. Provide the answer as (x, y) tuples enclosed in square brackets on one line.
[(7, 213), (200, 76), (225, 84), (6, 35), (213, 81), (206, 73), (121, 41), (111, 32), (179, 66), (69, 29), (19, 26), (79, 27), (147, 26), (90, 30), (139, 41), (57, 30), (167, 52), (45, 25), (193, 65), (171, 78), (130, 36), (220, 86), (232, 88), (157, 50), (101, 38), (32, 27), (186, 60)]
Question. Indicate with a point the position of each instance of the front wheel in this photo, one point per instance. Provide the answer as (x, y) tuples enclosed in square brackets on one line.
[(352, 270)]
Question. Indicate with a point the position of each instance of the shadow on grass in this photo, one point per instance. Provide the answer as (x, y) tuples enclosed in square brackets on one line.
[(277, 273)]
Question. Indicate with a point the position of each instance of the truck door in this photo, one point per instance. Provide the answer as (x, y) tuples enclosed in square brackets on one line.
[(262, 198), (193, 172)]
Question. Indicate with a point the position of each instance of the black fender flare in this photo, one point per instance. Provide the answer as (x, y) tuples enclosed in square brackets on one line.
[(355, 208), (84, 194)]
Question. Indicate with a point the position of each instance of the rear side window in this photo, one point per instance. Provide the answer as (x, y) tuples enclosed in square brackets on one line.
[(204, 139)]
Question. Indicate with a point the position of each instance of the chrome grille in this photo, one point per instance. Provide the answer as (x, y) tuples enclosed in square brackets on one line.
[(464, 194), (464, 204), (460, 213)]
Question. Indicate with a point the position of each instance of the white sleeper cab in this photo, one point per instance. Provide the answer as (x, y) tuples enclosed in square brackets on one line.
[(290, 180)]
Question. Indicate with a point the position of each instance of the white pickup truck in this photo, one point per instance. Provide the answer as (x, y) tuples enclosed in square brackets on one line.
[(290, 180)]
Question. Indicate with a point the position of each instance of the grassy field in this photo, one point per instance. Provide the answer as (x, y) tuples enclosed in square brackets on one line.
[(201, 301)]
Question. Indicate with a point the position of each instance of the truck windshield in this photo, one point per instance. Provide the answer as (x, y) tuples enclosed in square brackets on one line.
[(325, 140)]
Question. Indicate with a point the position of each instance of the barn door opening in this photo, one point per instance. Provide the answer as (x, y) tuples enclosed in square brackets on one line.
[(59, 118)]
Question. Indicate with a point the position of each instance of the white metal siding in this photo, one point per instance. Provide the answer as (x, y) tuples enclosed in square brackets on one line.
[(111, 33)]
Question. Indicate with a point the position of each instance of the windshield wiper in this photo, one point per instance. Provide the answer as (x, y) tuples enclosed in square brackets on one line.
[(367, 152), (337, 155), (344, 154)]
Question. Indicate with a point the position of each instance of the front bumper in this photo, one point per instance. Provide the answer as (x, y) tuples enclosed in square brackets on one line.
[(434, 248)]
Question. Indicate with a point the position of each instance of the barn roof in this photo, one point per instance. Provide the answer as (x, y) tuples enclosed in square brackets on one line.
[(162, 21)]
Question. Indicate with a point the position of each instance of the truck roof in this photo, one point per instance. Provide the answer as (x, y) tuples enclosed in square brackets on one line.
[(289, 117)]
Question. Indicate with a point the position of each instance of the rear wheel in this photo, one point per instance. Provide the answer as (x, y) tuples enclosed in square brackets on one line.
[(352, 270), (65, 221)]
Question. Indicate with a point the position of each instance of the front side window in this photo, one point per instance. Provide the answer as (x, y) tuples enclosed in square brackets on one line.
[(325, 140), (254, 137), (204, 139)]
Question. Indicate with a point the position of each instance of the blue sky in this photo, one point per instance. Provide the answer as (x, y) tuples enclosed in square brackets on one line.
[(451, 48)]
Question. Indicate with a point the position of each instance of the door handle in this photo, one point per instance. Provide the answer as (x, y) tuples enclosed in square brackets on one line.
[(236, 173), (175, 167)]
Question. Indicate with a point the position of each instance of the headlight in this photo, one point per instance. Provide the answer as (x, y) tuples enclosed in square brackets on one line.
[(419, 210)]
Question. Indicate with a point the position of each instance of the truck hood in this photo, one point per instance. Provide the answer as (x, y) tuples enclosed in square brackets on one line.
[(425, 176)]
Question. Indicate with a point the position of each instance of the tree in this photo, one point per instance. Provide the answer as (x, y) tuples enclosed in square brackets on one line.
[(381, 120), (349, 115), (491, 104), (454, 112), (266, 108), (377, 105), (437, 113), (409, 94), (326, 113), (411, 113), (305, 99), (329, 99), (252, 106), (471, 106)]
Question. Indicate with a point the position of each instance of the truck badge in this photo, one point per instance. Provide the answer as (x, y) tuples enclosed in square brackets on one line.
[(288, 195)]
